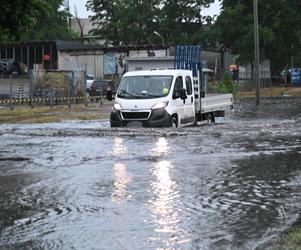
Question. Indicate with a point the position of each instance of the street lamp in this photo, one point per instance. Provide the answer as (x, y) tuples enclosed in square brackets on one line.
[(256, 48), (157, 34)]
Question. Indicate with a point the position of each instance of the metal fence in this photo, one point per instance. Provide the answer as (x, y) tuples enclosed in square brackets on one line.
[(42, 87), (247, 84)]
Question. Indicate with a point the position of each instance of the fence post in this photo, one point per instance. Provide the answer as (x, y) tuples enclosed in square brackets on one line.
[(31, 88), (73, 86), (85, 88), (69, 89), (11, 92), (100, 100), (69, 104), (51, 96)]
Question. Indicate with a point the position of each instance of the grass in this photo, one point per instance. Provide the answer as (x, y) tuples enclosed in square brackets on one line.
[(291, 241), (44, 114), (272, 92)]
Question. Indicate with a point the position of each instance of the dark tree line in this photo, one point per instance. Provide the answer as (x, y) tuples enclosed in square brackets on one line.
[(22, 20), (279, 31), (133, 22), (124, 22)]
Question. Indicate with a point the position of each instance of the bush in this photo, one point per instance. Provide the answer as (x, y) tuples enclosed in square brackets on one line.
[(226, 85)]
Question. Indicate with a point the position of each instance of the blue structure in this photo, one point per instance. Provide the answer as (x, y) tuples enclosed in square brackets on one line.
[(190, 58), (296, 76)]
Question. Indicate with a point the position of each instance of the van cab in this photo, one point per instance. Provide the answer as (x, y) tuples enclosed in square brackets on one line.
[(154, 98)]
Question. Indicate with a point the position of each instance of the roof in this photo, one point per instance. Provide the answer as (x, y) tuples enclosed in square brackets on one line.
[(150, 58), (77, 45), (31, 43), (152, 72)]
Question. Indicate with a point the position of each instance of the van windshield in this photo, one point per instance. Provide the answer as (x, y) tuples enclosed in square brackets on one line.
[(144, 87)]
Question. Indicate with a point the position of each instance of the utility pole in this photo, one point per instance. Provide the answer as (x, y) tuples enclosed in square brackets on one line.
[(256, 48), (292, 59)]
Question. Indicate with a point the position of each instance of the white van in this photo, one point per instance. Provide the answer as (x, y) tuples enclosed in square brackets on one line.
[(164, 98)]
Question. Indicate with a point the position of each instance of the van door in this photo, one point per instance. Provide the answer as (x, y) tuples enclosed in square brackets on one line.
[(177, 101), (189, 103)]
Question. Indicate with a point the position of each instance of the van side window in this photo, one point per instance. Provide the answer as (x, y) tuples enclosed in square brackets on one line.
[(188, 85), (178, 86)]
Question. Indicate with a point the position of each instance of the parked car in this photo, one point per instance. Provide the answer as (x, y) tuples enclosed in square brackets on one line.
[(9, 66), (100, 87), (89, 80)]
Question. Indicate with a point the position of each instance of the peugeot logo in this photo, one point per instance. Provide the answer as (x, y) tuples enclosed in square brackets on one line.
[(135, 106)]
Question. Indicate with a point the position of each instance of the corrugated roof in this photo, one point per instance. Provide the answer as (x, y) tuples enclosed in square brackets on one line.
[(74, 45), (77, 45)]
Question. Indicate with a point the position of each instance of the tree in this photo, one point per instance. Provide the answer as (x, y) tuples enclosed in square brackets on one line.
[(17, 16), (51, 25), (32, 20), (181, 21), (133, 22), (278, 30), (124, 21)]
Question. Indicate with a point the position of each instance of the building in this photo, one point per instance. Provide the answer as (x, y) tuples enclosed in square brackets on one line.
[(31, 54), (98, 60)]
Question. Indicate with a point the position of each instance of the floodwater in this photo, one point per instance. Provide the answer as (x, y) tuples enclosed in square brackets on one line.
[(235, 184)]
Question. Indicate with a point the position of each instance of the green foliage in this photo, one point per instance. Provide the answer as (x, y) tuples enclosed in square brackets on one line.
[(32, 20), (50, 25), (17, 16), (124, 22), (278, 29), (226, 85)]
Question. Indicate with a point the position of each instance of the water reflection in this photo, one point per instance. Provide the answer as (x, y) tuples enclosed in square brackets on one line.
[(121, 180), (165, 193), (164, 205), (119, 148), (162, 147)]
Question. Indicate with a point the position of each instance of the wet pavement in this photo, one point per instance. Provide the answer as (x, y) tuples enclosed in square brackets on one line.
[(82, 185)]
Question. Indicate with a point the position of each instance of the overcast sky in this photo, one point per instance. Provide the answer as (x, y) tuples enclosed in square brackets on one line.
[(82, 11)]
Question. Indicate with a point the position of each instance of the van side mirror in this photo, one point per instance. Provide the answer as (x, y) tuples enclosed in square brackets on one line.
[(109, 95), (183, 94)]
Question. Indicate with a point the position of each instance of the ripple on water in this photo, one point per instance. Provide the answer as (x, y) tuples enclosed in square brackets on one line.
[(226, 186)]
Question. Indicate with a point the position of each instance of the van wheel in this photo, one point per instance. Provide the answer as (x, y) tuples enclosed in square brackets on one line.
[(173, 122)]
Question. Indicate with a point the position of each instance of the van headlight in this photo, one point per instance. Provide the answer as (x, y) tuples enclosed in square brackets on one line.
[(117, 106), (160, 105)]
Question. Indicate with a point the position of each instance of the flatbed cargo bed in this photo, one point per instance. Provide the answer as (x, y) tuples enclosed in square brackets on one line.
[(216, 102)]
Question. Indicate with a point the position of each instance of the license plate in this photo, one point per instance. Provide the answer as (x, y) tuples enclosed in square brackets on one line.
[(134, 124)]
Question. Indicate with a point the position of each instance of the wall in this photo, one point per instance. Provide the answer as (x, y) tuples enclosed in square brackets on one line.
[(245, 72), (145, 53), (20, 85), (91, 61), (146, 63)]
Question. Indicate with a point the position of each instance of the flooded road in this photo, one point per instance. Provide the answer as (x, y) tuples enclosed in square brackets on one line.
[(235, 184)]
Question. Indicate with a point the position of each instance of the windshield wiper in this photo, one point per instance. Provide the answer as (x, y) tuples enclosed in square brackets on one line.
[(151, 95), (123, 92)]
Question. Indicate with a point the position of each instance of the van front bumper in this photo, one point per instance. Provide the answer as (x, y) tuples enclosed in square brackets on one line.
[(157, 118)]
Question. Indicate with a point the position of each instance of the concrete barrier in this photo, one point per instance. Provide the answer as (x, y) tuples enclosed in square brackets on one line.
[(20, 87)]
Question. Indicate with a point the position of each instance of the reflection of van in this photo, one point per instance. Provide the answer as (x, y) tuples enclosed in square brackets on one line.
[(100, 86)]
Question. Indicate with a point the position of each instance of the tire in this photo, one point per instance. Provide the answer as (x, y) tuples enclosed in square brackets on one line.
[(173, 122)]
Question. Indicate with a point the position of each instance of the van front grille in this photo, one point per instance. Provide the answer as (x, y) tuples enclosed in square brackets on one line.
[(135, 115)]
